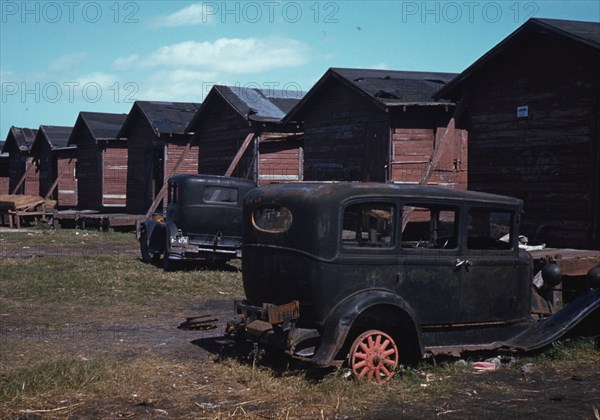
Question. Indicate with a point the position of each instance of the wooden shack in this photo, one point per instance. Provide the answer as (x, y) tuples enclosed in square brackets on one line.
[(532, 111), (244, 126), (4, 173), (381, 125), (22, 171), (101, 161), (156, 140), (56, 161)]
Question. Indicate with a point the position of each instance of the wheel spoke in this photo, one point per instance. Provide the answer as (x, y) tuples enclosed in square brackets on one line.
[(360, 364), (373, 357)]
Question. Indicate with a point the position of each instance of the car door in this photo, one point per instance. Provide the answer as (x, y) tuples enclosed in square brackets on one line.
[(491, 290), (428, 278)]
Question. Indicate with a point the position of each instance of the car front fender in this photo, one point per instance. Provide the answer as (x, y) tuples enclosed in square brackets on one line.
[(155, 234), (341, 318), (550, 329)]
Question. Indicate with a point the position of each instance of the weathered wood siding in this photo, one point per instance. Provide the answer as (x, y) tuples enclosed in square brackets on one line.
[(46, 169), (66, 190), (18, 163), (549, 158), (142, 169), (189, 165), (280, 159), (4, 175), (335, 131), (412, 149), (114, 176), (32, 179), (220, 135), (89, 172)]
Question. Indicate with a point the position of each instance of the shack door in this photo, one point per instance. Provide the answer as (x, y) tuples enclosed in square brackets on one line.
[(377, 151), (494, 286), (67, 184), (114, 177)]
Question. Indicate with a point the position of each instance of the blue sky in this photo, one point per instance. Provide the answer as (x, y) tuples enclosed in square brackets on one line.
[(61, 57)]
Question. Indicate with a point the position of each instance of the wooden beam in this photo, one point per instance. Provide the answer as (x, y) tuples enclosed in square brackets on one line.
[(239, 154), (55, 183), (437, 152), (160, 196)]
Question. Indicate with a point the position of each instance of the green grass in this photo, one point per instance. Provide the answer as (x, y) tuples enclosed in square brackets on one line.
[(45, 236), (58, 375), (99, 281)]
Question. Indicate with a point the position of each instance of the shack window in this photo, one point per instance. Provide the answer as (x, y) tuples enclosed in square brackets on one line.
[(220, 195), (272, 218), (432, 226), (368, 225), (489, 229)]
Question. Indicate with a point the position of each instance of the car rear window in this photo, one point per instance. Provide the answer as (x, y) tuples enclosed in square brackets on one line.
[(220, 195), (272, 218)]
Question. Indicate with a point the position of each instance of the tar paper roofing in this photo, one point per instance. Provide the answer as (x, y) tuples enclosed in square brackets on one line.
[(163, 117), (253, 104), (103, 126), (385, 88), (56, 136), (586, 34), (23, 137)]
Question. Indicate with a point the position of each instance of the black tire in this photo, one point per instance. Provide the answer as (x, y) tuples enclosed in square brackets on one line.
[(147, 256)]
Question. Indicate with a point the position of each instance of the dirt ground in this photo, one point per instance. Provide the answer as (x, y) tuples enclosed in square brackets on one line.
[(187, 382)]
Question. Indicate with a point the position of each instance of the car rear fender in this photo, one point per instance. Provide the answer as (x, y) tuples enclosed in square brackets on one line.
[(342, 317)]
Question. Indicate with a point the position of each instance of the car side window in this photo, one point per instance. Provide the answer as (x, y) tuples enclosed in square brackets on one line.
[(369, 225), (489, 229), (429, 226)]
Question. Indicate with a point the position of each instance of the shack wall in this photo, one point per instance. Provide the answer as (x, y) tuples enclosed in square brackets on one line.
[(337, 126), (547, 153), (219, 136)]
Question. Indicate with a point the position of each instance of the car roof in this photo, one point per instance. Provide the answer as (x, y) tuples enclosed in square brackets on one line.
[(336, 192)]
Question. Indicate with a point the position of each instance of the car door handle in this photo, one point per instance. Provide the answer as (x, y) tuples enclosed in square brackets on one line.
[(460, 263)]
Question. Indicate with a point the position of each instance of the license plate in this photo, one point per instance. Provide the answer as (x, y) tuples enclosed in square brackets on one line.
[(281, 313)]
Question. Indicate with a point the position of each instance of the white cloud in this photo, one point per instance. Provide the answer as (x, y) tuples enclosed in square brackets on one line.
[(379, 66), (194, 14), (228, 55), (178, 85), (66, 62), (104, 80)]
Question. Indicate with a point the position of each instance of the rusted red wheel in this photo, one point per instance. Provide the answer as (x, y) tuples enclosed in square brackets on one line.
[(374, 357)]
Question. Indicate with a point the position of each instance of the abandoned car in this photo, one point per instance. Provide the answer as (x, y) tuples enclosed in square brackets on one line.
[(375, 274), (203, 220)]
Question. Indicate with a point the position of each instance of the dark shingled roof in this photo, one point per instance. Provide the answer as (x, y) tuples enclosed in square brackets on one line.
[(163, 117), (23, 137), (260, 105), (586, 34), (104, 126), (392, 87), (56, 136), (384, 88)]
